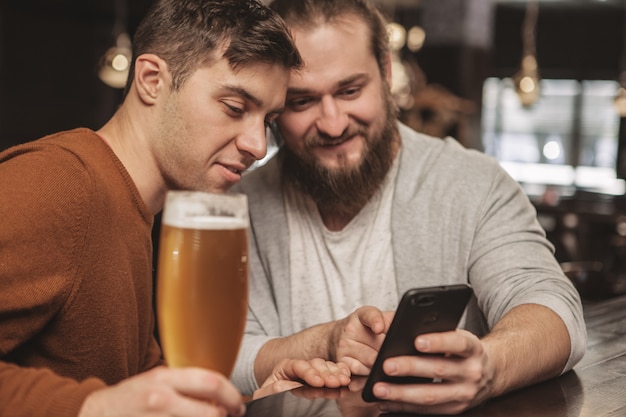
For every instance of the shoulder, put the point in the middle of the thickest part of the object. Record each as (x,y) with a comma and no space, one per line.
(443,150)
(49,193)
(52,151)
(38,160)
(47,179)
(426,158)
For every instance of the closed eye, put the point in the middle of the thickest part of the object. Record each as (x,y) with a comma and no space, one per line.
(350,93)
(300,103)
(233,110)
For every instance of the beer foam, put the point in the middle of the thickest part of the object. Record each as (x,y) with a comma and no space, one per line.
(206,222)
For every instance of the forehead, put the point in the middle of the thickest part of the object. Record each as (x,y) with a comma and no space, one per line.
(264,84)
(333,50)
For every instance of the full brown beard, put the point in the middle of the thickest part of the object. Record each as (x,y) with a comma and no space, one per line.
(345,190)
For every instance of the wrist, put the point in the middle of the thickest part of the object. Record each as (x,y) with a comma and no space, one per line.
(334,335)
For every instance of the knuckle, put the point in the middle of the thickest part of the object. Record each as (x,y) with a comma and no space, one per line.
(474,373)
(157,399)
(211,382)
(467,395)
(430,398)
(439,370)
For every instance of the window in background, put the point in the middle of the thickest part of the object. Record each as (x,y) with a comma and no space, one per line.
(569,137)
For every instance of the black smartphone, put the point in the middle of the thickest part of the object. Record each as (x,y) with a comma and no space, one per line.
(420,311)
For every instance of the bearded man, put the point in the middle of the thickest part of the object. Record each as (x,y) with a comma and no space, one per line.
(357,208)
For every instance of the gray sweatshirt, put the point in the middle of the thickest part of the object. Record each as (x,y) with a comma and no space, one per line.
(457,217)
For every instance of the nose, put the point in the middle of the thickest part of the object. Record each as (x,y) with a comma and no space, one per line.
(253,140)
(332,120)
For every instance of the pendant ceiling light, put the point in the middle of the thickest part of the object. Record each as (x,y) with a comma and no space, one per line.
(527,78)
(620,98)
(115,64)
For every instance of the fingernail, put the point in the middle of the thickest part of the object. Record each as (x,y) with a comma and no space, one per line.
(423,344)
(381,391)
(391,368)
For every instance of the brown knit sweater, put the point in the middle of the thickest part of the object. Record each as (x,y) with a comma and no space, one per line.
(75,275)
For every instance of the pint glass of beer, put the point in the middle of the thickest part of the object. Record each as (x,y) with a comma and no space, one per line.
(202,279)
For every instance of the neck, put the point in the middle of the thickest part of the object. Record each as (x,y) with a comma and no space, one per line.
(129,144)
(335,219)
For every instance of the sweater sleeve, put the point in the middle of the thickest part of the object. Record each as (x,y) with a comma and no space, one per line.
(38,238)
(30,392)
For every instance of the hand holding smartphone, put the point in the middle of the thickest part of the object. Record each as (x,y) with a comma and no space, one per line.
(421,311)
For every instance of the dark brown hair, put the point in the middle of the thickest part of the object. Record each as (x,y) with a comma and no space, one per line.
(191,33)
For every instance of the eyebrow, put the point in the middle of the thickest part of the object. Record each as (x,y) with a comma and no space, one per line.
(242,92)
(342,83)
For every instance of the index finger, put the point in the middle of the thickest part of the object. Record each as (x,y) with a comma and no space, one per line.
(372,318)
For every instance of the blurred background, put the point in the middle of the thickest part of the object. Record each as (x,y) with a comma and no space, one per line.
(539,85)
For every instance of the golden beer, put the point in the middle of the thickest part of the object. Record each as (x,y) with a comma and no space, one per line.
(202,287)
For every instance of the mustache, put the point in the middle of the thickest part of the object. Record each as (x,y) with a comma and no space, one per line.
(322,139)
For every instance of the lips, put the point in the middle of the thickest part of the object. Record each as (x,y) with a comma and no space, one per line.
(237,166)
(236,171)
(232,171)
(333,143)
(321,141)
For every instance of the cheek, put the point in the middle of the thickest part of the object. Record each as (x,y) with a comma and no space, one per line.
(210,128)
(369,109)
(294,126)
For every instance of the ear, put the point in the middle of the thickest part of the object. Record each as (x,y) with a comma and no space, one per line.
(151,76)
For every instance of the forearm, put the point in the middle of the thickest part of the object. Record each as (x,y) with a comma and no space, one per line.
(314,342)
(528,345)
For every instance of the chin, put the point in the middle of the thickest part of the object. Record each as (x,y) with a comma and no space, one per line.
(343,163)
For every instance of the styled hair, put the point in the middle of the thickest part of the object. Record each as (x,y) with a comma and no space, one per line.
(188,34)
(306,14)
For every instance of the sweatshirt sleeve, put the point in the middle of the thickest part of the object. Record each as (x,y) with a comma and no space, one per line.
(267,215)
(475,224)
(261,310)
(513,263)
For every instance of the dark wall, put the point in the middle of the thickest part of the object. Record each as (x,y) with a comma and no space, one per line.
(49,52)
(578,41)
(575,40)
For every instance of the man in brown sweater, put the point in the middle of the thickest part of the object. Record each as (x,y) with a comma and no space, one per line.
(76,317)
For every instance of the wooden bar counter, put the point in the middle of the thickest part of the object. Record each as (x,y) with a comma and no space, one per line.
(595,388)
